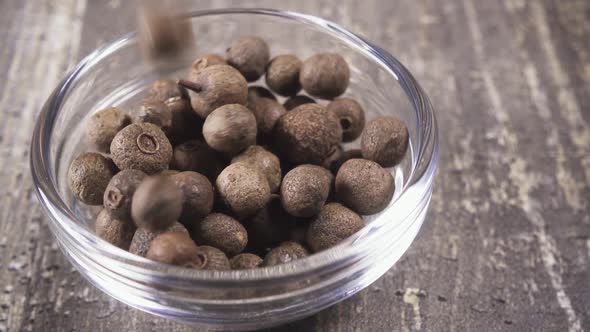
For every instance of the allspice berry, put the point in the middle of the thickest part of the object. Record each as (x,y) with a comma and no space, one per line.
(157,203)
(351,116)
(334,224)
(243,188)
(270,226)
(141,146)
(115,231)
(305,189)
(230,129)
(197,156)
(197,193)
(307,134)
(205,61)
(89,175)
(249,55)
(119,193)
(325,75)
(216,86)
(245,261)
(155,112)
(104,125)
(165,89)
(255,91)
(172,248)
(222,232)
(385,141)
(143,237)
(284,253)
(267,112)
(364,186)
(210,258)
(265,161)
(282,74)
(298,100)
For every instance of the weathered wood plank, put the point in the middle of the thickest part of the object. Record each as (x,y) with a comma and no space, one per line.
(506,245)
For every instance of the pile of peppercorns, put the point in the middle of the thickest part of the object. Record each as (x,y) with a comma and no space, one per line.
(210,173)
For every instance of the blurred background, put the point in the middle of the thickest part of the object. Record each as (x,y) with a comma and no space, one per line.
(506,245)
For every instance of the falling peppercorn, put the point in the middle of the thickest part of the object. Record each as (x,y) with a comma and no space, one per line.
(157,203)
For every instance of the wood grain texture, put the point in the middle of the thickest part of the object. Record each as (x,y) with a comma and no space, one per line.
(507,242)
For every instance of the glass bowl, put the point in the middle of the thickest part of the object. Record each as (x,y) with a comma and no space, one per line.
(114,75)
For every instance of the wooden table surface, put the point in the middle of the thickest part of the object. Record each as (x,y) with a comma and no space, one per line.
(506,246)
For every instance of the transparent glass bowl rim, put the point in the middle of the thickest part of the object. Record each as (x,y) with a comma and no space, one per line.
(340,255)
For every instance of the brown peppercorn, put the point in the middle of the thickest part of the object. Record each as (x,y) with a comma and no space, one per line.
(295,101)
(284,253)
(385,141)
(334,224)
(282,74)
(104,125)
(265,161)
(230,129)
(267,112)
(115,231)
(165,89)
(203,62)
(119,193)
(197,156)
(172,248)
(351,116)
(157,203)
(364,186)
(249,55)
(216,86)
(325,75)
(304,190)
(243,188)
(222,232)
(155,112)
(210,258)
(245,262)
(270,226)
(89,175)
(197,193)
(259,92)
(142,238)
(307,134)
(141,146)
